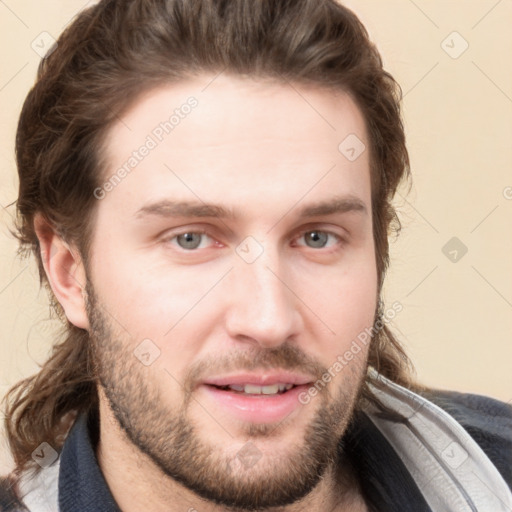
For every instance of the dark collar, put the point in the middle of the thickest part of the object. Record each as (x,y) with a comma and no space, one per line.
(386,484)
(82,487)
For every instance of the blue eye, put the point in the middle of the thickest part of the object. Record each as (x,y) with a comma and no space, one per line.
(314,239)
(317,239)
(190,240)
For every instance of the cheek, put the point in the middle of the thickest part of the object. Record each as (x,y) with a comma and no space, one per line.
(346,303)
(172,308)
(137,301)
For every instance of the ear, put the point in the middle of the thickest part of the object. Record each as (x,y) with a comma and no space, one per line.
(65,272)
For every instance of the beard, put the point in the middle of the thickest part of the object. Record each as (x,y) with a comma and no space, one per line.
(172,441)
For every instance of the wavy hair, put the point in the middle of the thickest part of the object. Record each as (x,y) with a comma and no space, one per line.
(118,49)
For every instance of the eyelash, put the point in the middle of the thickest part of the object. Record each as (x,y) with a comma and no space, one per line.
(340,240)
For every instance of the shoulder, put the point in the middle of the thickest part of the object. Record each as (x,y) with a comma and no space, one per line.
(32,491)
(487,421)
(9,502)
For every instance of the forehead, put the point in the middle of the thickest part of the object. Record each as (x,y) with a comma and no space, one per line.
(237,139)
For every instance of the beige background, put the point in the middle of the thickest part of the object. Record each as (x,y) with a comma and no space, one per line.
(457,317)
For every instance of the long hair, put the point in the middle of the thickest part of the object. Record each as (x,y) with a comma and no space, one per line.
(112,53)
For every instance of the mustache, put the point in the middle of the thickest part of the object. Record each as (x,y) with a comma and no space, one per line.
(284,357)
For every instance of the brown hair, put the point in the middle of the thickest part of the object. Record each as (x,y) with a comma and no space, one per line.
(112,53)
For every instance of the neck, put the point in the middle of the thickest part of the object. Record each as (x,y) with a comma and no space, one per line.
(141,485)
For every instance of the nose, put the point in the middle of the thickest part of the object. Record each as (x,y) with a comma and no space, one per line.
(263,306)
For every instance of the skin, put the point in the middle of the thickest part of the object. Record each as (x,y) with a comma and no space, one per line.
(259,149)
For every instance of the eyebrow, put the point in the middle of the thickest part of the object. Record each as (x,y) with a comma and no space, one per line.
(335,205)
(169,208)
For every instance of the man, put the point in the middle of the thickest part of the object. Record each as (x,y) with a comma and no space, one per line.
(207,188)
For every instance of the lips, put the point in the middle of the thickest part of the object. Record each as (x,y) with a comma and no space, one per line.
(260,379)
(251,389)
(253,407)
(250,384)
(256,397)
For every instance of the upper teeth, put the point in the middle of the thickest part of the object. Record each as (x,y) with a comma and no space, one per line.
(261,390)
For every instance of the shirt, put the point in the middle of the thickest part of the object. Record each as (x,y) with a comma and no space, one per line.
(442,451)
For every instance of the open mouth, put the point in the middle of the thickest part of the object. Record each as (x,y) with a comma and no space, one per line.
(254,390)
(253,402)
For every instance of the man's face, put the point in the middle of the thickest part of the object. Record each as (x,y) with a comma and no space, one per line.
(199,320)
